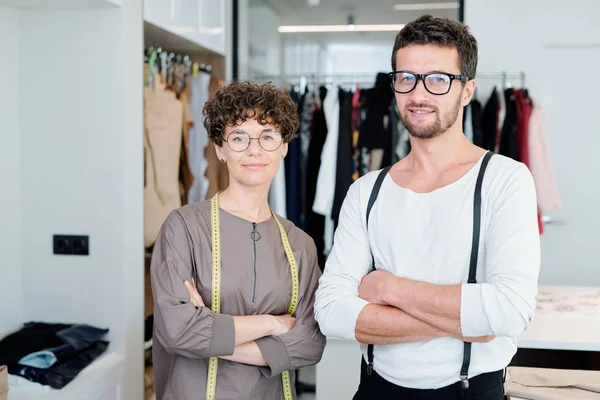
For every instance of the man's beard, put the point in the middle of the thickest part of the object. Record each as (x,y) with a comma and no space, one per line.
(433,129)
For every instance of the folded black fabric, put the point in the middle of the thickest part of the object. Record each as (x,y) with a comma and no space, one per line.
(34,336)
(51,354)
(63,372)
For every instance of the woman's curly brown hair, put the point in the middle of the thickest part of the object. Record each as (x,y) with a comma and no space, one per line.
(239,101)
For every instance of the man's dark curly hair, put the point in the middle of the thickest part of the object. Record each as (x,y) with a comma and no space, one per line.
(441,32)
(239,101)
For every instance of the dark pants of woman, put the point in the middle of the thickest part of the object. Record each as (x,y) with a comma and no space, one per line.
(488,386)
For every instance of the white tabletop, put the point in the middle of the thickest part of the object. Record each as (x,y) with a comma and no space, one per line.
(566,318)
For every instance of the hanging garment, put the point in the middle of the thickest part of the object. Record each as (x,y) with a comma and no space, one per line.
(293,195)
(475,121)
(199,94)
(256,279)
(216,173)
(163,124)
(186,176)
(467,124)
(306,123)
(54,353)
(315,223)
(344,164)
(522,134)
(355,124)
(400,136)
(375,135)
(325,192)
(489,122)
(509,145)
(540,162)
(277,198)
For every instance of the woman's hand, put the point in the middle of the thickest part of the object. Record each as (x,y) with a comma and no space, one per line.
(282,324)
(195,297)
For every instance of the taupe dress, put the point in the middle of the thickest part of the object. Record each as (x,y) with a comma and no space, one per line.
(255,279)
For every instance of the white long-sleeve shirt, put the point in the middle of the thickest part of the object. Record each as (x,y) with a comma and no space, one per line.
(427,237)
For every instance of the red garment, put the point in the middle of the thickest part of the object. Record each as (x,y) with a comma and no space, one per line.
(524,110)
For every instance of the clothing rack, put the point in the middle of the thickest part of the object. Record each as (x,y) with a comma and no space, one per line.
(317,79)
(505,76)
(164,58)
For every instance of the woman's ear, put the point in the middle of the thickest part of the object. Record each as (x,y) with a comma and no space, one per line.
(220,152)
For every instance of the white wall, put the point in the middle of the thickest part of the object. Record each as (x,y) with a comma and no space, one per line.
(71,159)
(302,56)
(71,164)
(10,191)
(305,55)
(558,46)
(264,54)
(362,58)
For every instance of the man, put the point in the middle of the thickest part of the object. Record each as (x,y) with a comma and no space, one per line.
(435,336)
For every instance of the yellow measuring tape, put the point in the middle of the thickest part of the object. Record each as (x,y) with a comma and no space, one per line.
(211,383)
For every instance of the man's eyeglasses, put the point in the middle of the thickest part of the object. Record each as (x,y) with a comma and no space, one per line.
(437,83)
(239,140)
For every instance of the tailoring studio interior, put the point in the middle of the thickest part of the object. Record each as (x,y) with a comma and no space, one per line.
(102,139)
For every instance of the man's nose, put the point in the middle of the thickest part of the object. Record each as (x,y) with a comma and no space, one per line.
(419,92)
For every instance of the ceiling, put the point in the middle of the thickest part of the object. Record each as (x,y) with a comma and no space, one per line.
(334,12)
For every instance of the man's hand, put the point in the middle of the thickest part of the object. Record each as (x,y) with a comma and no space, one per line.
(375,286)
(195,297)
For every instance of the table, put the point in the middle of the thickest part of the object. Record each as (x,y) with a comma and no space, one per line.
(566,318)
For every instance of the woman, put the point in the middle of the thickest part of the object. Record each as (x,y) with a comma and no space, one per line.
(267,268)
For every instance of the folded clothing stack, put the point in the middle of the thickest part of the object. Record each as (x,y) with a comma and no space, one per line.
(3,382)
(552,384)
(51,354)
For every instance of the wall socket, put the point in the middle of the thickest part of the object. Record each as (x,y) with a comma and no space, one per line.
(72,245)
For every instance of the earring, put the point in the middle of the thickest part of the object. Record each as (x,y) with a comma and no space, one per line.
(282,156)
(222,160)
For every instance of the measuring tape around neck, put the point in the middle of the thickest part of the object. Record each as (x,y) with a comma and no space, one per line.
(213,362)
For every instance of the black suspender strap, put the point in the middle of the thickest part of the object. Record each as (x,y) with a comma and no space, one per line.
(464,371)
(372,198)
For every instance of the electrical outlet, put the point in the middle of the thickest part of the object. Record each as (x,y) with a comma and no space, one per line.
(78,245)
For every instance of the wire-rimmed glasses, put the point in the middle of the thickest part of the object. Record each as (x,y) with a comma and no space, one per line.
(239,140)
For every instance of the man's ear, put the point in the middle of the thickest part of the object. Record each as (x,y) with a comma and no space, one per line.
(468,92)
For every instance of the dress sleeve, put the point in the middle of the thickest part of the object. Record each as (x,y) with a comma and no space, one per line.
(303,345)
(178,325)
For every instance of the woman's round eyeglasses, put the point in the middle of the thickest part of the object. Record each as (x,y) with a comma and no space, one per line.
(239,140)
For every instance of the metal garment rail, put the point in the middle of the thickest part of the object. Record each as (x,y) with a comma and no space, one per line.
(504,76)
(304,79)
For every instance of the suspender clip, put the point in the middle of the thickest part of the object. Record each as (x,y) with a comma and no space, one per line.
(369,368)
(465,381)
